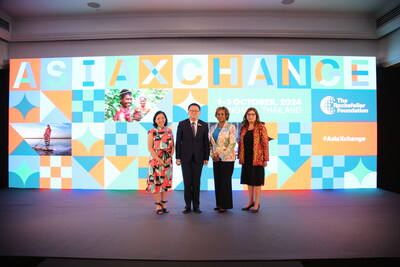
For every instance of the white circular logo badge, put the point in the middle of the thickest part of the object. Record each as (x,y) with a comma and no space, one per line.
(327,105)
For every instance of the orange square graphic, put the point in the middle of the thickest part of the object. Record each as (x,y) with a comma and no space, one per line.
(44,182)
(44,161)
(344,138)
(143,162)
(55,171)
(142,183)
(66,161)
(66,183)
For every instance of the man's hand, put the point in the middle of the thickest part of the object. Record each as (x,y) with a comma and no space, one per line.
(178,162)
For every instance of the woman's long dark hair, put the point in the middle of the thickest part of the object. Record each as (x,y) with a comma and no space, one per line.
(245,122)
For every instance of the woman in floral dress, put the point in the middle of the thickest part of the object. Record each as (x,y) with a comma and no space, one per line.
(161,148)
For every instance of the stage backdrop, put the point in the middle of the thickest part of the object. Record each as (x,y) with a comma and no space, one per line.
(320,112)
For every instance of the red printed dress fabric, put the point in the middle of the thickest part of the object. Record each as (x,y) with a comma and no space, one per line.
(160,177)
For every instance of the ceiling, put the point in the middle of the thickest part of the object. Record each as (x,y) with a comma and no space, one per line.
(15,9)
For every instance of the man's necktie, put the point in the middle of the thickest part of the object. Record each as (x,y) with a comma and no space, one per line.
(194,128)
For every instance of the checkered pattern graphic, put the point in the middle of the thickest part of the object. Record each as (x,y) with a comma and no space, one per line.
(121,139)
(88,106)
(56,172)
(294,137)
(328,172)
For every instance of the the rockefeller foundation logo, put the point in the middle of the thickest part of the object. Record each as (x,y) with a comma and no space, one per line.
(331,105)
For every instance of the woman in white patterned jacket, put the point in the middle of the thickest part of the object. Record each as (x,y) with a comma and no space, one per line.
(222,146)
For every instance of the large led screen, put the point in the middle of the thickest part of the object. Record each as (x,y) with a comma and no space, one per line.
(320,112)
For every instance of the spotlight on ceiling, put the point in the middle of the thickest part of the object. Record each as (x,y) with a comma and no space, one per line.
(287,2)
(93,5)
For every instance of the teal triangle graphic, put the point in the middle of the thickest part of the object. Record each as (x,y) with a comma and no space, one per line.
(128,179)
(24,149)
(87,162)
(147,125)
(55,116)
(284,172)
(179,186)
(293,162)
(81,179)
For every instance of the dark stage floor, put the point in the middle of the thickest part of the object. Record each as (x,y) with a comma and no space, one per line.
(292,227)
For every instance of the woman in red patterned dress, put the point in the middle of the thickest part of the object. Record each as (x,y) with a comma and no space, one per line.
(161,148)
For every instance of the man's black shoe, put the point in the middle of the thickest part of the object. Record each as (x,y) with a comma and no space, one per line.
(197,210)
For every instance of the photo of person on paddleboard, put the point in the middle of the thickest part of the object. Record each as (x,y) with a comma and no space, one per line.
(46,136)
(43,138)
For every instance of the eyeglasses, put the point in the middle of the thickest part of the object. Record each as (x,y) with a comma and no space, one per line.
(194,111)
(251,114)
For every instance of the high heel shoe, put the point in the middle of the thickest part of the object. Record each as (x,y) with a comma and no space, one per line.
(248,207)
(255,210)
(165,210)
(159,211)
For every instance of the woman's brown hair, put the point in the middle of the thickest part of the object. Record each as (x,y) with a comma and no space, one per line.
(245,122)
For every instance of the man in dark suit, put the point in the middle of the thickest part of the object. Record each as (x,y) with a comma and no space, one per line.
(192,151)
